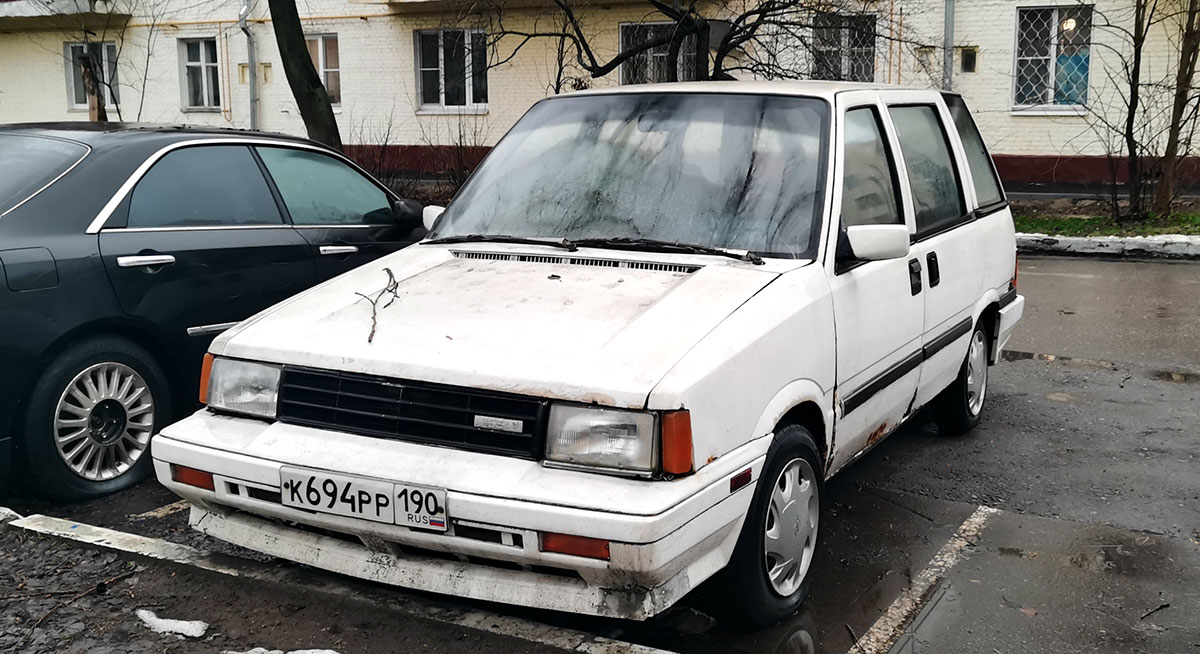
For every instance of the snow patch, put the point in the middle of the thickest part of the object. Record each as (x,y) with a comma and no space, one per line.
(181,628)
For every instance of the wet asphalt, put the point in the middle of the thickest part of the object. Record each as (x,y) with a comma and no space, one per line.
(1090,449)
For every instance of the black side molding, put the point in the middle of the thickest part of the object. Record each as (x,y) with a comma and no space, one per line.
(1008,298)
(893,374)
(882,381)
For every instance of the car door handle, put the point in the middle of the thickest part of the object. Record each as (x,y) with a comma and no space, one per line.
(145,260)
(935,273)
(914,275)
(338,249)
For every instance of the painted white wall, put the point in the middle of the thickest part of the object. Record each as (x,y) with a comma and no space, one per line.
(379,72)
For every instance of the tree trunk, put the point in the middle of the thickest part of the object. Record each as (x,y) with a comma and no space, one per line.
(701,64)
(673,55)
(310,94)
(91,86)
(1132,151)
(1189,45)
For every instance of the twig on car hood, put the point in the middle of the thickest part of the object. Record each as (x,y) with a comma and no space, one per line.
(391,287)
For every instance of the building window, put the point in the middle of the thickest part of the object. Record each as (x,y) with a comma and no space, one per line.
(650,66)
(103,57)
(1053,56)
(968,59)
(202,89)
(452,68)
(844,47)
(323,48)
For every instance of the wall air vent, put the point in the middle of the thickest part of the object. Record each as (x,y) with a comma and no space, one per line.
(579,261)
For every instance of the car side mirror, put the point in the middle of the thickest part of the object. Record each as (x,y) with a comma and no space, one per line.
(431,214)
(406,212)
(878,242)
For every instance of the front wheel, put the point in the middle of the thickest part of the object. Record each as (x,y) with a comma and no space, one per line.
(91,416)
(770,572)
(959,406)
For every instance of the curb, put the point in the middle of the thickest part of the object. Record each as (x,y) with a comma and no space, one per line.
(1164,246)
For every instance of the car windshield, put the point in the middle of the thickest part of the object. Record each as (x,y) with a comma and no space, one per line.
(29,163)
(730,171)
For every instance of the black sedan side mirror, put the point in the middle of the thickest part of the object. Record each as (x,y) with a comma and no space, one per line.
(407,212)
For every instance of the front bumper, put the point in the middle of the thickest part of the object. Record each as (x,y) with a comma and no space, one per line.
(491,549)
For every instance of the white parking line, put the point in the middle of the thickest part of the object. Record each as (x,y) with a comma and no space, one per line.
(155,548)
(890,626)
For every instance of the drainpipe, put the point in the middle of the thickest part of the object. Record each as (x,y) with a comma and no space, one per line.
(242,15)
(948,53)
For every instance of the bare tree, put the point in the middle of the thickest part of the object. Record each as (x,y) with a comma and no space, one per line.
(1183,105)
(311,97)
(763,38)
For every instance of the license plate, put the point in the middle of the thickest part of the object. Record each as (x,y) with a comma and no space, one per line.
(368,499)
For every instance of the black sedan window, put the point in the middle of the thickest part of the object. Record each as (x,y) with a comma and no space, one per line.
(29,163)
(215,185)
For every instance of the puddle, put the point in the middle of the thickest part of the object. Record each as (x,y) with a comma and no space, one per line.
(1177,376)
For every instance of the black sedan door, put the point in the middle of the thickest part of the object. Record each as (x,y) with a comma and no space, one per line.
(200,244)
(344,215)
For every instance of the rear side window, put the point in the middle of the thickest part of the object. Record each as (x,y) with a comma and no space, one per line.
(983,173)
(29,163)
(321,190)
(206,186)
(868,178)
(931,172)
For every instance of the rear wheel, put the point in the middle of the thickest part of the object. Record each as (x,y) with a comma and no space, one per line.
(771,570)
(959,406)
(91,416)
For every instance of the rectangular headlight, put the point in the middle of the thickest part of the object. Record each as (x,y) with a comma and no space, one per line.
(243,387)
(603,438)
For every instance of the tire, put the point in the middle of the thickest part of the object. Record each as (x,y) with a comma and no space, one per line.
(102,399)
(957,409)
(744,590)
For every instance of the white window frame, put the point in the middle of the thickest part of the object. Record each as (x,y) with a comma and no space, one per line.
(471,107)
(206,89)
(843,46)
(679,65)
(322,65)
(1047,107)
(108,56)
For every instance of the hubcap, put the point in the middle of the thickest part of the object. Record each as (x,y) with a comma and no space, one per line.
(791,527)
(977,371)
(103,421)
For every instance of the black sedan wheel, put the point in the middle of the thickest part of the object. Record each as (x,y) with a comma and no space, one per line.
(91,418)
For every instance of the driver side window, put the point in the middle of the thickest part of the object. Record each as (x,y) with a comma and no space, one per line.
(321,190)
(869,193)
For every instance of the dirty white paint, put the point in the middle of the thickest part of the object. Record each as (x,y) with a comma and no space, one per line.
(162,511)
(154,548)
(181,628)
(890,626)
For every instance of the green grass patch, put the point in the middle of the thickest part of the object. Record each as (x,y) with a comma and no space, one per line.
(1063,225)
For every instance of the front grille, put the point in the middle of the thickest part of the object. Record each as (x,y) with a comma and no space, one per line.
(419,412)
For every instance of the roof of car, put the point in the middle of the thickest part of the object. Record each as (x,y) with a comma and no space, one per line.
(818,88)
(99,133)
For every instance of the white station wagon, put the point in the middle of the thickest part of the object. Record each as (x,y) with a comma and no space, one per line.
(626,357)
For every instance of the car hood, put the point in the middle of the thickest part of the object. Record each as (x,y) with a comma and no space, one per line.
(585,331)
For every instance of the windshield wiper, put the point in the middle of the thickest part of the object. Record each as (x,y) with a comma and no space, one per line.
(503,238)
(650,244)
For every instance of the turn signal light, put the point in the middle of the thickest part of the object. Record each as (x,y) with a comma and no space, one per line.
(592,548)
(193,477)
(677,442)
(205,371)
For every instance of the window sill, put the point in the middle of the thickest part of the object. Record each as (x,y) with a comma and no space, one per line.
(477,110)
(1050,110)
(201,110)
